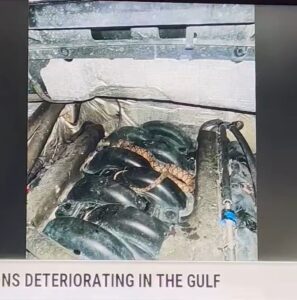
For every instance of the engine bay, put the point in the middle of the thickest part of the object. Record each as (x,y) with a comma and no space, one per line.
(141,131)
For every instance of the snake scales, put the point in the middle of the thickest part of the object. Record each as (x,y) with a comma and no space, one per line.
(183,179)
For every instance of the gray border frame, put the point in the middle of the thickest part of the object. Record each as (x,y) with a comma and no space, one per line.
(276,94)
(13,120)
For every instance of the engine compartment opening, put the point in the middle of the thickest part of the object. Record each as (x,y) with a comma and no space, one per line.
(148,183)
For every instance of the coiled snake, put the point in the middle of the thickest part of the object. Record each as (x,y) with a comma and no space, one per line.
(182,178)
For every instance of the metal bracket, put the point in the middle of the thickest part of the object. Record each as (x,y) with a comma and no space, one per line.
(199,42)
(227,35)
(139,30)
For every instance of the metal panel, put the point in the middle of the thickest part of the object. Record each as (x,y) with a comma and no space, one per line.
(106,14)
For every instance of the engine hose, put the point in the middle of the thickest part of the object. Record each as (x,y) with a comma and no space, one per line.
(228,216)
(225,183)
(235,129)
(229,223)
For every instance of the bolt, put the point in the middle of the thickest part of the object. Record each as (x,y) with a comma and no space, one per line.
(170,214)
(64,52)
(240,51)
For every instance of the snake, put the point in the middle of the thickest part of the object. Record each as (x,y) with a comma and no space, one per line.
(182,178)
